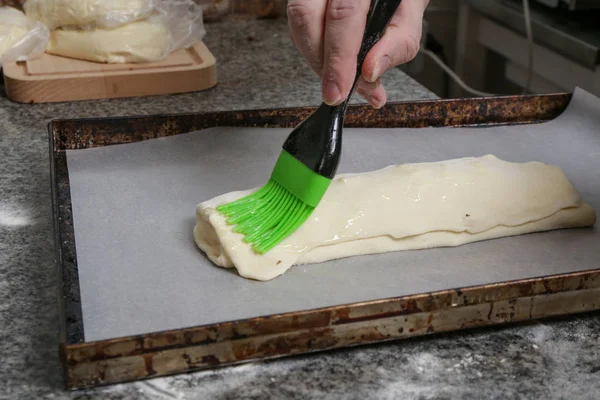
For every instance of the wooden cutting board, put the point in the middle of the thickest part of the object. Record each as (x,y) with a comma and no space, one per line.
(51,78)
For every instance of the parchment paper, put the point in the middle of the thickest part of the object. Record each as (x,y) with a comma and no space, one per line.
(134,204)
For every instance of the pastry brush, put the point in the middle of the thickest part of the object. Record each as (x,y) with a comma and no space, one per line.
(307,163)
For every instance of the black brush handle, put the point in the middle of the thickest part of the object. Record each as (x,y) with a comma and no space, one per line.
(317,141)
(380,14)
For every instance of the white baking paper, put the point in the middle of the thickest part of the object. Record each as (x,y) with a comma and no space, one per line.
(134,208)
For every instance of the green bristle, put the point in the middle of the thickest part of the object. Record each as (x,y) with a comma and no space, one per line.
(275,211)
(267,216)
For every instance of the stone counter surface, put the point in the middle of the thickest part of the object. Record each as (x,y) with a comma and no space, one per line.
(257,68)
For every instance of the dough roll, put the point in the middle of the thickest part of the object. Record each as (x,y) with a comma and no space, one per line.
(406,207)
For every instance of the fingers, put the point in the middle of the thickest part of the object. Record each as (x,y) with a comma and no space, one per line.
(373,92)
(328,34)
(306,20)
(344,28)
(400,43)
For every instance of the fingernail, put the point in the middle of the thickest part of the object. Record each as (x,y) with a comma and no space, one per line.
(376,102)
(380,66)
(367,86)
(331,93)
(363,85)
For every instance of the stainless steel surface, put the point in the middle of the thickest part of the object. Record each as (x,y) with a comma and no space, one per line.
(549,3)
(582,4)
(575,35)
(571,4)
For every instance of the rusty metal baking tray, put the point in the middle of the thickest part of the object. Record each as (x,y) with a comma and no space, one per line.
(154,354)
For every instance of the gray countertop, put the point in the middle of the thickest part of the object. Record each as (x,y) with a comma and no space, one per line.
(258,68)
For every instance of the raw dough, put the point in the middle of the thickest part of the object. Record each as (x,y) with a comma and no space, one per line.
(140,41)
(406,207)
(99,13)
(13,27)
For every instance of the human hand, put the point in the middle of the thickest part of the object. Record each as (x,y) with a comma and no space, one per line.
(328,33)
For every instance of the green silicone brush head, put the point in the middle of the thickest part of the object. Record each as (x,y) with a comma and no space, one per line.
(269,215)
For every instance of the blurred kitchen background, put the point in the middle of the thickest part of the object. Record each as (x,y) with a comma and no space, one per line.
(486,44)
(491,46)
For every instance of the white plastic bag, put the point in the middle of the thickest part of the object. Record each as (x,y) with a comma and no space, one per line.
(175,24)
(20,39)
(88,13)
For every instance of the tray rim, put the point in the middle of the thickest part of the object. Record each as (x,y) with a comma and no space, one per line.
(152,354)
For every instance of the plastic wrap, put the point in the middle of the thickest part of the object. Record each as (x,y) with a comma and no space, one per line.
(175,24)
(20,39)
(88,13)
(183,19)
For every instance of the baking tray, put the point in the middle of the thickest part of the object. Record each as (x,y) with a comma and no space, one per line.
(161,353)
